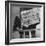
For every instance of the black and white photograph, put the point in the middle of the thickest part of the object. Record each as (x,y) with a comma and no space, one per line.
(24,22)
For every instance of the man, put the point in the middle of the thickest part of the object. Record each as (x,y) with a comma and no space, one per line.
(17,26)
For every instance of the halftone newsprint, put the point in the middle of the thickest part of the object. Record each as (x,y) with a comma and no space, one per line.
(24,22)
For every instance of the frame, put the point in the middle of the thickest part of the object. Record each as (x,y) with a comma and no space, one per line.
(24,7)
